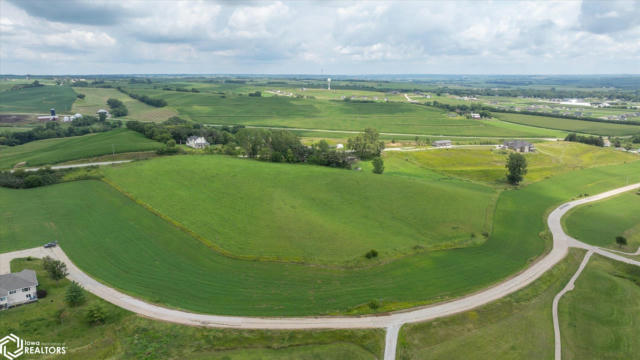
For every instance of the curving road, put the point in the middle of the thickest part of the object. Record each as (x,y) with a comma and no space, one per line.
(392,322)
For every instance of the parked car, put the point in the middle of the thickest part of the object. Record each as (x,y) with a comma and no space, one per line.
(51,244)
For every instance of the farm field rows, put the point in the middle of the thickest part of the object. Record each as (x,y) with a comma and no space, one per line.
(37,100)
(56,150)
(150,258)
(570,125)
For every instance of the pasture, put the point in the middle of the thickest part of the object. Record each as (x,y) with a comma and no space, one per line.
(96,98)
(57,150)
(126,246)
(599,223)
(570,125)
(37,100)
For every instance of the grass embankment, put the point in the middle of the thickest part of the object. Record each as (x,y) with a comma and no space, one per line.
(308,213)
(128,336)
(600,318)
(96,98)
(51,151)
(518,326)
(123,244)
(569,125)
(37,100)
(488,165)
(599,223)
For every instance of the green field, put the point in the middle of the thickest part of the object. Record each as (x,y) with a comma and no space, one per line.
(51,151)
(96,98)
(125,245)
(578,126)
(600,318)
(37,100)
(127,336)
(518,326)
(599,223)
(309,213)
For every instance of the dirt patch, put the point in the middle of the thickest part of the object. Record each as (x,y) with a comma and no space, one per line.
(13,118)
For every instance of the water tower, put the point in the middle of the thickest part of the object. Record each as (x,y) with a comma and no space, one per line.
(329,84)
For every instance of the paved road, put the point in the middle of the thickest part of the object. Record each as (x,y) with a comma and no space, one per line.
(71,166)
(392,322)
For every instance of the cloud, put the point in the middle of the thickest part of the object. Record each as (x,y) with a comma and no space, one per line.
(76,11)
(610,16)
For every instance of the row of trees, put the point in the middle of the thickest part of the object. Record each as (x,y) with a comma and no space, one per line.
(21,179)
(589,140)
(144,98)
(77,127)
(118,108)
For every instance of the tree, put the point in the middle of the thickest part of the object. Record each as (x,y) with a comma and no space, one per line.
(378,165)
(366,145)
(75,294)
(621,240)
(33,181)
(102,116)
(56,268)
(171,143)
(517,168)
(96,315)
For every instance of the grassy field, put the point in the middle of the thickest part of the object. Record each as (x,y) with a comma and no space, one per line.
(51,151)
(127,336)
(96,98)
(600,318)
(124,245)
(309,213)
(578,126)
(518,326)
(599,223)
(488,165)
(37,100)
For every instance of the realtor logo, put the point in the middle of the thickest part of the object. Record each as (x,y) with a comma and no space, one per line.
(11,338)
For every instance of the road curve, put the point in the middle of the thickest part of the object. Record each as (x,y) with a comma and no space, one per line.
(72,166)
(392,321)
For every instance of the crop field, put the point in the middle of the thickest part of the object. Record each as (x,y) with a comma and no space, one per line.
(599,223)
(308,213)
(125,245)
(96,98)
(600,318)
(128,336)
(569,125)
(518,326)
(488,165)
(51,151)
(37,100)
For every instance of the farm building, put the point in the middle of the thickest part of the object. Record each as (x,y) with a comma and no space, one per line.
(102,111)
(18,288)
(519,146)
(475,116)
(197,142)
(442,143)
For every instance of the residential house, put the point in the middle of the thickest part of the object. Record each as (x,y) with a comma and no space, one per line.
(197,142)
(18,288)
(442,143)
(475,116)
(519,146)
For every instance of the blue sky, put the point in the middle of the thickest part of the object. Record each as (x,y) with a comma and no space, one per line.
(310,37)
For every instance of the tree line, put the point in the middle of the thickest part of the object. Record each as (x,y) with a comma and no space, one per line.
(144,98)
(589,140)
(118,108)
(80,126)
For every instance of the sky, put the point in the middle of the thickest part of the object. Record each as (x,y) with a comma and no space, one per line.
(319,37)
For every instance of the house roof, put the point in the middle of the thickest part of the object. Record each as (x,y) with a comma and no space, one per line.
(442,142)
(517,143)
(13,281)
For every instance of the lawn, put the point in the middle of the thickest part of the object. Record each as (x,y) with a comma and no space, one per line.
(518,326)
(308,213)
(123,244)
(51,151)
(127,336)
(578,126)
(599,223)
(37,100)
(96,98)
(600,318)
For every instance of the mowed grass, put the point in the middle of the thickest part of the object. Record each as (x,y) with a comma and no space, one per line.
(37,100)
(308,213)
(123,244)
(518,326)
(600,318)
(51,151)
(96,98)
(599,223)
(486,164)
(128,336)
(578,126)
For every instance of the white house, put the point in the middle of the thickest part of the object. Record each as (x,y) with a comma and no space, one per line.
(339,146)
(197,142)
(18,288)
(442,143)
(475,116)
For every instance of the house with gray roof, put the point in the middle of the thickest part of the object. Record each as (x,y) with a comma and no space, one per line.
(18,288)
(519,146)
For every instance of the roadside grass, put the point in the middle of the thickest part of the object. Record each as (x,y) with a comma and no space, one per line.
(599,223)
(37,100)
(488,164)
(569,125)
(518,326)
(96,98)
(306,213)
(128,247)
(600,318)
(128,336)
(51,151)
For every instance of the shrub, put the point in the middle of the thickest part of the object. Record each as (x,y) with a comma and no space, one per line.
(56,268)
(32,181)
(371,254)
(374,304)
(81,96)
(621,240)
(378,165)
(96,315)
(41,293)
(75,294)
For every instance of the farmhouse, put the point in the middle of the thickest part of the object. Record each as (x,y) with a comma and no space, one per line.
(197,142)
(519,146)
(18,288)
(442,143)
